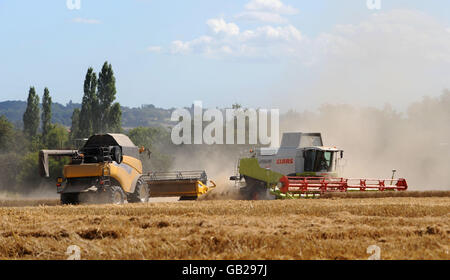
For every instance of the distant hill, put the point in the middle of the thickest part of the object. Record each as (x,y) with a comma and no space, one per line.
(13,110)
(146,115)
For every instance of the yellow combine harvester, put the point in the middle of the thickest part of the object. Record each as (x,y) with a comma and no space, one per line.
(108,167)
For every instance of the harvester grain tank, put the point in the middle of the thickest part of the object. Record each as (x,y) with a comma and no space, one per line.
(299,167)
(108,167)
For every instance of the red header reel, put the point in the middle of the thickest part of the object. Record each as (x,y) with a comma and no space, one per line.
(299,185)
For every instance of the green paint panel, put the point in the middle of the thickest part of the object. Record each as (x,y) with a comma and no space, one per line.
(250,167)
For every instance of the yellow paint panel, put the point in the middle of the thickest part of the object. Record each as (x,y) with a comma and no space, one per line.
(177,188)
(133,162)
(83,170)
(201,188)
(124,174)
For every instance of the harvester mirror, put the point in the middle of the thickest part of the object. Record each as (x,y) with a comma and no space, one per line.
(342,154)
(117,154)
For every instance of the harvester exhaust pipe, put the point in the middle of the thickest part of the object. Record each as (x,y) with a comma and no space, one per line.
(393,173)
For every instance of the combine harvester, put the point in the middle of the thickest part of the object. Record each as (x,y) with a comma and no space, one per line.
(108,169)
(301,167)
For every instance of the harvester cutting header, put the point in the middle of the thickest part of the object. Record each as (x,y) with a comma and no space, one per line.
(108,166)
(301,166)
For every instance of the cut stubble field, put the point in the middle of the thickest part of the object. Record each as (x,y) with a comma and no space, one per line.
(335,228)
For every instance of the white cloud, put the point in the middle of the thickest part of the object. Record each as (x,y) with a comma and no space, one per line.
(266,41)
(199,45)
(274,6)
(218,25)
(389,57)
(180,47)
(395,37)
(391,36)
(86,20)
(226,39)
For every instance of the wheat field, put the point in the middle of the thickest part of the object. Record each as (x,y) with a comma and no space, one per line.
(335,228)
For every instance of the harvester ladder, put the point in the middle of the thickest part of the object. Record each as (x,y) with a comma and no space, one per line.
(106,176)
(106,154)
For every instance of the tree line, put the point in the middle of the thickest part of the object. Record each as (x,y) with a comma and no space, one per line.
(99,113)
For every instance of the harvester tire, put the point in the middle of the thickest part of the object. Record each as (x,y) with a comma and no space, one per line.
(255,190)
(70,198)
(140,194)
(115,195)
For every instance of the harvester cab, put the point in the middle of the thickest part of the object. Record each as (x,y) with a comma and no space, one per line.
(108,168)
(301,165)
(301,154)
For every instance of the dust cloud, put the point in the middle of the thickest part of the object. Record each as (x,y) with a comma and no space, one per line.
(219,162)
(416,143)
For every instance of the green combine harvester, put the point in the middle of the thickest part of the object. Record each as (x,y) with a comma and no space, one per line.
(301,167)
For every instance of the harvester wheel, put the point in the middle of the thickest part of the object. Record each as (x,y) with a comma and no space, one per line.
(115,195)
(141,193)
(255,190)
(70,198)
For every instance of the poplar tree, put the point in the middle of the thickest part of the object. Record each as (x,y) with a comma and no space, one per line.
(106,95)
(115,118)
(88,122)
(74,129)
(46,114)
(99,113)
(31,116)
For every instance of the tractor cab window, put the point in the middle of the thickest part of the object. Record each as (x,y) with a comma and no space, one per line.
(318,161)
(323,161)
(310,156)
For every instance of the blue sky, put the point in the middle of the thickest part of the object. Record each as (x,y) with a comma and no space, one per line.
(261,53)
